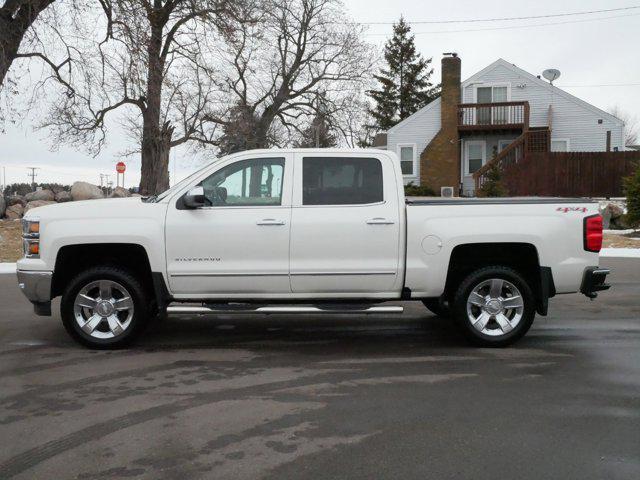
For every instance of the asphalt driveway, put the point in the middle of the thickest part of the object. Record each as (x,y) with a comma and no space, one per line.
(317,397)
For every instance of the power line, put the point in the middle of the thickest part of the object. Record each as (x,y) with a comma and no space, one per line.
(507,19)
(602,85)
(514,27)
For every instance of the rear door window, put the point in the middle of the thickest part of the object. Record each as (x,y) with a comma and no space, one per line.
(341,181)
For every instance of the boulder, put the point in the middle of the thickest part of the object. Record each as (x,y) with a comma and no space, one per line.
(3,205)
(38,203)
(85,191)
(46,195)
(615,210)
(16,200)
(14,212)
(611,212)
(120,192)
(63,196)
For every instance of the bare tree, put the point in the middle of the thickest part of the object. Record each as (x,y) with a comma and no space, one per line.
(631,127)
(16,18)
(152,67)
(277,67)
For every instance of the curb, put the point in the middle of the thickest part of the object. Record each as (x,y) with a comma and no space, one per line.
(7,268)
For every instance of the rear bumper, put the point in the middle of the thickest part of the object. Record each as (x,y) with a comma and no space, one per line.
(593,281)
(36,286)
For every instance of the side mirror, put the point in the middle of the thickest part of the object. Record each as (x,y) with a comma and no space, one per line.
(194,198)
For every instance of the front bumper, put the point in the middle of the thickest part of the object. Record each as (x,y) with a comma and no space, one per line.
(593,281)
(36,286)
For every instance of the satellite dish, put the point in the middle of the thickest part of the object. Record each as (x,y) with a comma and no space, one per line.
(551,74)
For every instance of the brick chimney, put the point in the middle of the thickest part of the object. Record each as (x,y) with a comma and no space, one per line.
(440,160)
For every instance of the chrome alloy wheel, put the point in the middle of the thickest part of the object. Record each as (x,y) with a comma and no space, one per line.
(103,309)
(495,307)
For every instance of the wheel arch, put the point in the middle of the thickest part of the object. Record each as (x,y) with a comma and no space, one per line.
(522,257)
(73,259)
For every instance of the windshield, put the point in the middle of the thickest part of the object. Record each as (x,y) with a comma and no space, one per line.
(179,185)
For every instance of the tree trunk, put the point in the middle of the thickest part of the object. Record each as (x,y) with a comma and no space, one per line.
(156,139)
(15,19)
(154,173)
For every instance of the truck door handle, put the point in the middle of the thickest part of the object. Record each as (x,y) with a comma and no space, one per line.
(270,221)
(379,221)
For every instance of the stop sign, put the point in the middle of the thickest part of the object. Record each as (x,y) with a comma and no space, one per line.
(120,167)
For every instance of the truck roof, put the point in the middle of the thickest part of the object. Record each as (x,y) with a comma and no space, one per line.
(314,150)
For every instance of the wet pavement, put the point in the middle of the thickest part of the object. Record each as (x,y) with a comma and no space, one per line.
(241,397)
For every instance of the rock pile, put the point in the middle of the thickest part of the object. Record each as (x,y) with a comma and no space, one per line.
(15,206)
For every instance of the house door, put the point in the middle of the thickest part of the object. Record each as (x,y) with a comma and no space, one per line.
(474,154)
(492,115)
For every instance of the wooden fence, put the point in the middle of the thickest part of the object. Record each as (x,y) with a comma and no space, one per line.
(570,174)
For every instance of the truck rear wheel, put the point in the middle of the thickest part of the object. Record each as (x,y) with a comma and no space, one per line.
(494,306)
(104,307)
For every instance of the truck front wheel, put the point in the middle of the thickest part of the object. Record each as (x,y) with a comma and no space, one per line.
(494,306)
(104,307)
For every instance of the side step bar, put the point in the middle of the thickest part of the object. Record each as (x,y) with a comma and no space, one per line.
(249,309)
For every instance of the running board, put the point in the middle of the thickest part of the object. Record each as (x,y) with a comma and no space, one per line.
(249,309)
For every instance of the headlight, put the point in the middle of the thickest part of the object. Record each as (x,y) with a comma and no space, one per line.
(31,238)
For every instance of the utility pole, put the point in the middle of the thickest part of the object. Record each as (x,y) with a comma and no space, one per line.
(33,176)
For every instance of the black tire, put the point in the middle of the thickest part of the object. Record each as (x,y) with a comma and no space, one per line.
(122,277)
(464,291)
(438,307)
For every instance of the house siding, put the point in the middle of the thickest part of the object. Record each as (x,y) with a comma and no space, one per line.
(570,119)
(418,129)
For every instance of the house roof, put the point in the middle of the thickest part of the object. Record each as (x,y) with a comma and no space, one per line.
(414,115)
(501,62)
(530,77)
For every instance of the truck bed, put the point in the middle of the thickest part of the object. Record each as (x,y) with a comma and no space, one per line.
(553,226)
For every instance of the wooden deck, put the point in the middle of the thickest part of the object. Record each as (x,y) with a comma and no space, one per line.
(492,117)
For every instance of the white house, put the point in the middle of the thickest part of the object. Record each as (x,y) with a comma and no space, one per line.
(473,121)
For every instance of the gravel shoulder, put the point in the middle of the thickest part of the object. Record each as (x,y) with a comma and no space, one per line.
(10,240)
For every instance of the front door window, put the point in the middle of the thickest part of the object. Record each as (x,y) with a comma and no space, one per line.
(256,182)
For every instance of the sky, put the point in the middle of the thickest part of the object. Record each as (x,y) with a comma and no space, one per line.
(596,53)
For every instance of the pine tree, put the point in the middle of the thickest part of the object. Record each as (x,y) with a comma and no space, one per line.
(405,84)
(632,190)
(493,186)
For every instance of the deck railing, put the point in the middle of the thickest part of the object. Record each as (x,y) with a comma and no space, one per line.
(488,116)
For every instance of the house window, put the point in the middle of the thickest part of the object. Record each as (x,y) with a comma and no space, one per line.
(475,156)
(502,144)
(498,93)
(559,144)
(407,159)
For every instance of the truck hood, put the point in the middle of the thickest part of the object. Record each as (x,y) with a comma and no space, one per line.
(105,208)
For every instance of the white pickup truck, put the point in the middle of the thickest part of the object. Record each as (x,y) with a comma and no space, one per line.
(306,231)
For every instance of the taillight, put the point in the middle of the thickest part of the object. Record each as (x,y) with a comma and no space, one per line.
(593,233)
